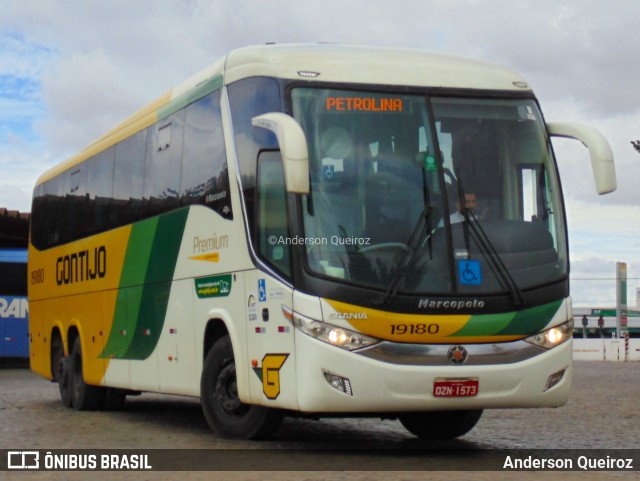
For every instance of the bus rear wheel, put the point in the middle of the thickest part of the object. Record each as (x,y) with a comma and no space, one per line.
(84,397)
(60,369)
(439,425)
(226,414)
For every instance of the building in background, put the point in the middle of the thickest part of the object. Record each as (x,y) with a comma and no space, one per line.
(601,322)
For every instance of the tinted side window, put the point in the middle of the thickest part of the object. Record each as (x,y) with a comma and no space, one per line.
(141,176)
(99,190)
(49,211)
(248,98)
(205,178)
(162,164)
(75,203)
(38,217)
(127,179)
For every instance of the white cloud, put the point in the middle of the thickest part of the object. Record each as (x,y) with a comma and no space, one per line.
(21,161)
(86,94)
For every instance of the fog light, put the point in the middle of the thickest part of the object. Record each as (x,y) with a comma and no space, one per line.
(554,379)
(342,384)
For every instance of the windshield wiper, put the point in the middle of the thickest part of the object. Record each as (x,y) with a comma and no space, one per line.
(415,240)
(492,256)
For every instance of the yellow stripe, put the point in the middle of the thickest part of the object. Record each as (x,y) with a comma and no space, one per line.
(51,263)
(87,305)
(418,328)
(209,257)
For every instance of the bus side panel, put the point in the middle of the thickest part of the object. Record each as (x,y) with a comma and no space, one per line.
(270,340)
(39,351)
(86,317)
(76,287)
(115,371)
(178,363)
(143,369)
(45,316)
(217,298)
(212,258)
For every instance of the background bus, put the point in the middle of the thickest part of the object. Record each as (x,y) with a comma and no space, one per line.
(14,308)
(275,235)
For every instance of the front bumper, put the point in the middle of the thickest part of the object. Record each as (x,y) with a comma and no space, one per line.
(398,378)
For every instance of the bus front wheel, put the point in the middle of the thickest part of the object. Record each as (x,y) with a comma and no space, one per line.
(226,414)
(438,425)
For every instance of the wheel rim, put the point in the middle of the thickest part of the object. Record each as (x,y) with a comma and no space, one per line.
(226,392)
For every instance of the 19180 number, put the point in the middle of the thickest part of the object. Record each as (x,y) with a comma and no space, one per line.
(400,329)
(37,276)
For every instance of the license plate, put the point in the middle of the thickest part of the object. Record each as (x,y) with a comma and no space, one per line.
(467,387)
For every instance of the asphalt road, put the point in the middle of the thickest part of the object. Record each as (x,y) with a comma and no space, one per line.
(602,414)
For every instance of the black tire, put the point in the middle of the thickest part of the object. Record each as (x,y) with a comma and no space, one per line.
(60,369)
(84,397)
(227,416)
(439,425)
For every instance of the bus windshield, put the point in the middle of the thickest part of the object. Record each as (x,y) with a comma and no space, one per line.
(420,194)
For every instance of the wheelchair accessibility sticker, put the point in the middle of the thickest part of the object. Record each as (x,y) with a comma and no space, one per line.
(469,272)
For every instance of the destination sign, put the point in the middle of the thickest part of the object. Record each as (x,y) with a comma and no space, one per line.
(365,104)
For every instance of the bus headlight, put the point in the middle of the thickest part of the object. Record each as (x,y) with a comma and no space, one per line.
(553,336)
(334,335)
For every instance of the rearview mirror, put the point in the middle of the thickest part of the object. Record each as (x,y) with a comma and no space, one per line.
(604,171)
(293,149)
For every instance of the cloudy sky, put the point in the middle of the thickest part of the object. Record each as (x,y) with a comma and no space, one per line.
(71,69)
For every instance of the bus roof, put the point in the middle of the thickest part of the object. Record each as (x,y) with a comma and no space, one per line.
(317,62)
(368,65)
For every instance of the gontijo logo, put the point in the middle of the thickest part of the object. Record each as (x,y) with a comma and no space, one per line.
(81,266)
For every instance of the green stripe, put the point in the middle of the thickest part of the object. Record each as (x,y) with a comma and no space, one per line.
(190,96)
(145,285)
(531,321)
(485,324)
(132,278)
(157,286)
(521,323)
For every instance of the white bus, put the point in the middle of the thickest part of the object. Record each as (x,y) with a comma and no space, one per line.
(309,230)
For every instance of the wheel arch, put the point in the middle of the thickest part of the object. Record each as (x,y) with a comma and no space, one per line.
(219,325)
(55,337)
(66,336)
(215,329)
